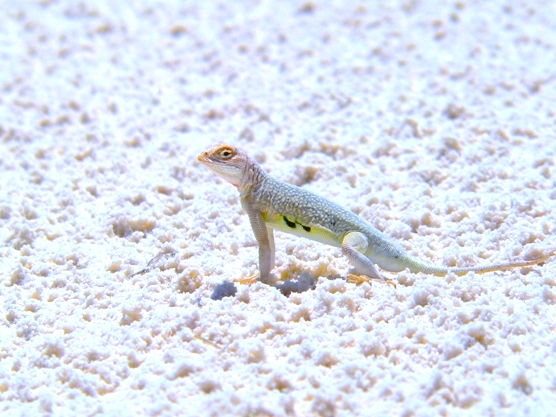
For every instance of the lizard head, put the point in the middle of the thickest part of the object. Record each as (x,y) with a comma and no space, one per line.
(226,161)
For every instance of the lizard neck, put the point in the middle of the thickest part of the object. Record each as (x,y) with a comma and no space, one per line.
(253,177)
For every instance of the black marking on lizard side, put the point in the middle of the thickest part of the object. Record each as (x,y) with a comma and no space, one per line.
(288,222)
(293,225)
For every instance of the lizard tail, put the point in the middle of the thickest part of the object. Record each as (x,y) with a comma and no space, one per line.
(441,271)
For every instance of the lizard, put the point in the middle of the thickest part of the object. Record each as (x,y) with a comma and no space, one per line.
(272,204)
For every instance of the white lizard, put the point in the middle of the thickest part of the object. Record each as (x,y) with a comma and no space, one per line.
(274,204)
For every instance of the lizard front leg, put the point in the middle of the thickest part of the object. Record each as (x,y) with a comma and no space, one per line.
(265,239)
(354,245)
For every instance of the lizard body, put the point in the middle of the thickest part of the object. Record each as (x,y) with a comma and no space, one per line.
(274,204)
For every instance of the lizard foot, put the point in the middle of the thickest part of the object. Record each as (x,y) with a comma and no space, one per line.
(249,280)
(360,279)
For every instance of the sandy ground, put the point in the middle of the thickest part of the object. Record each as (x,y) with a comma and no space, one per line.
(434,120)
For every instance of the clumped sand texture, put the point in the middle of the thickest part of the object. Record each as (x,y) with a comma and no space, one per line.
(434,120)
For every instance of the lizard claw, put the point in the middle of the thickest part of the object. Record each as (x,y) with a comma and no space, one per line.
(249,280)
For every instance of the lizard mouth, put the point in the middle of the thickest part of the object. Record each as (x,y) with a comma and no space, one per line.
(203,158)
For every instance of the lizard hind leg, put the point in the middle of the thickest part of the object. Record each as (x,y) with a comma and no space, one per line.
(354,245)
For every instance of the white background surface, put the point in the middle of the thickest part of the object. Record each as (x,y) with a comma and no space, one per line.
(434,120)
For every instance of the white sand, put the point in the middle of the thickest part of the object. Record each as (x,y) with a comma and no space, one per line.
(434,120)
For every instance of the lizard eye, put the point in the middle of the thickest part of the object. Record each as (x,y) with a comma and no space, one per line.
(226,154)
